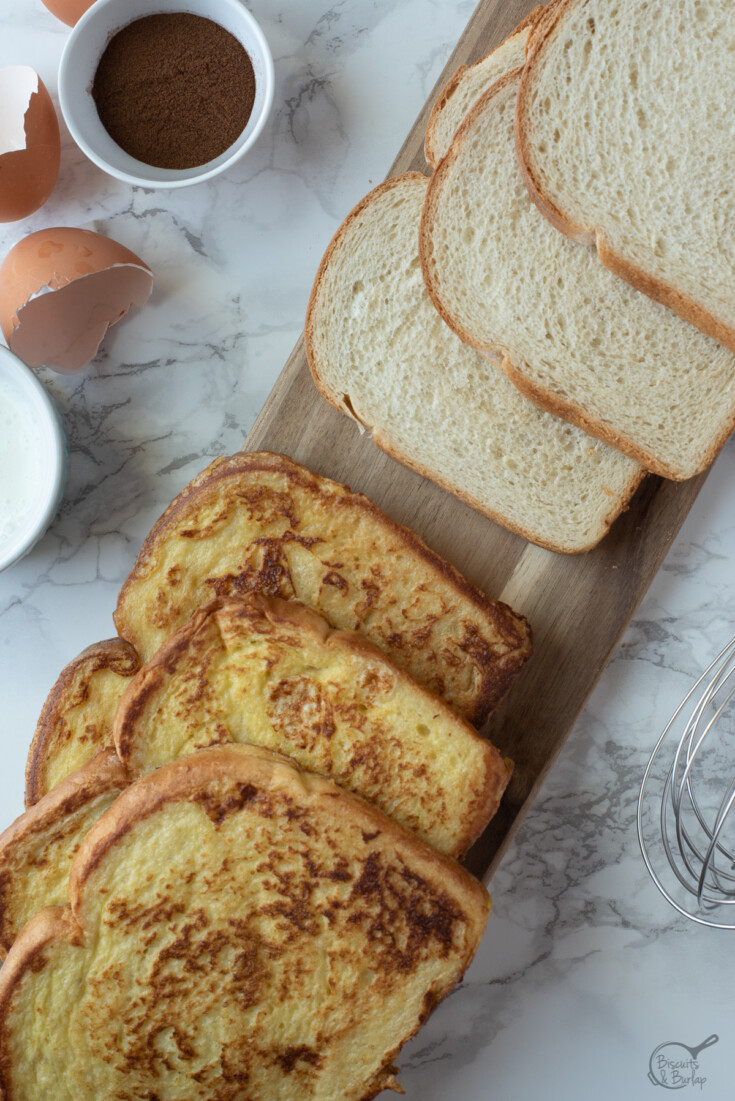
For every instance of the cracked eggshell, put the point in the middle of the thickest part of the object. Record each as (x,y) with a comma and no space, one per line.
(61,289)
(30,147)
(68,11)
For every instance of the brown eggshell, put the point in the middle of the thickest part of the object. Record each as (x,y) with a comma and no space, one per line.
(68,11)
(61,289)
(28,175)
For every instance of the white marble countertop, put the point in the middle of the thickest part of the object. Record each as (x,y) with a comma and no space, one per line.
(584,969)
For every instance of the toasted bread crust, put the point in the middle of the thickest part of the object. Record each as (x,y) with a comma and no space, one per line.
(668,295)
(483,635)
(75,685)
(64,1013)
(329,721)
(51,828)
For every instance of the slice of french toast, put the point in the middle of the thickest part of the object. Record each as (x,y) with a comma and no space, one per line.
(36,851)
(76,720)
(273,672)
(262,522)
(237,928)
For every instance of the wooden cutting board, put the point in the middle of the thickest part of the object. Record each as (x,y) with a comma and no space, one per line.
(578,606)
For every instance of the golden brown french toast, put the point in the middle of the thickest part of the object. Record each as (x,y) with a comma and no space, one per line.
(237,929)
(273,672)
(36,851)
(76,720)
(261,522)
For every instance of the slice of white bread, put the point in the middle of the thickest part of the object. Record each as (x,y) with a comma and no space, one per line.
(36,851)
(575,338)
(76,720)
(236,928)
(468,83)
(379,351)
(258,522)
(272,672)
(625,130)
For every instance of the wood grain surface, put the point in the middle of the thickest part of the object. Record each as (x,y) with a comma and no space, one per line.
(578,606)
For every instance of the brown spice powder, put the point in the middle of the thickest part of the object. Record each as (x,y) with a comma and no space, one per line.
(174,90)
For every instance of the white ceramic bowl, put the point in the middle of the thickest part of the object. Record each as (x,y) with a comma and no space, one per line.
(34,460)
(81,56)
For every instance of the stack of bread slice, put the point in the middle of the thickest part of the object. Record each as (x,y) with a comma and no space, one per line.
(237,874)
(647,178)
(435,294)
(569,332)
(380,352)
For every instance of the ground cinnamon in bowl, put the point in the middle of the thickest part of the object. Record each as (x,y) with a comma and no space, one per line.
(174,90)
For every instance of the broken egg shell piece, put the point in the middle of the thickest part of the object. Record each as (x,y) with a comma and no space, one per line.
(68,11)
(30,146)
(63,329)
(61,289)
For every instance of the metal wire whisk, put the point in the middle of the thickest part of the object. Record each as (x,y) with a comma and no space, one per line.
(688,790)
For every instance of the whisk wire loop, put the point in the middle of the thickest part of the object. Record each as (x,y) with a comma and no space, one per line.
(690,848)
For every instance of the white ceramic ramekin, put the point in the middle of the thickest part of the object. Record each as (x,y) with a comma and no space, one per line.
(23,394)
(81,56)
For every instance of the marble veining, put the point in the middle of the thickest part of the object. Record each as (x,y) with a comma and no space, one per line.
(584,970)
